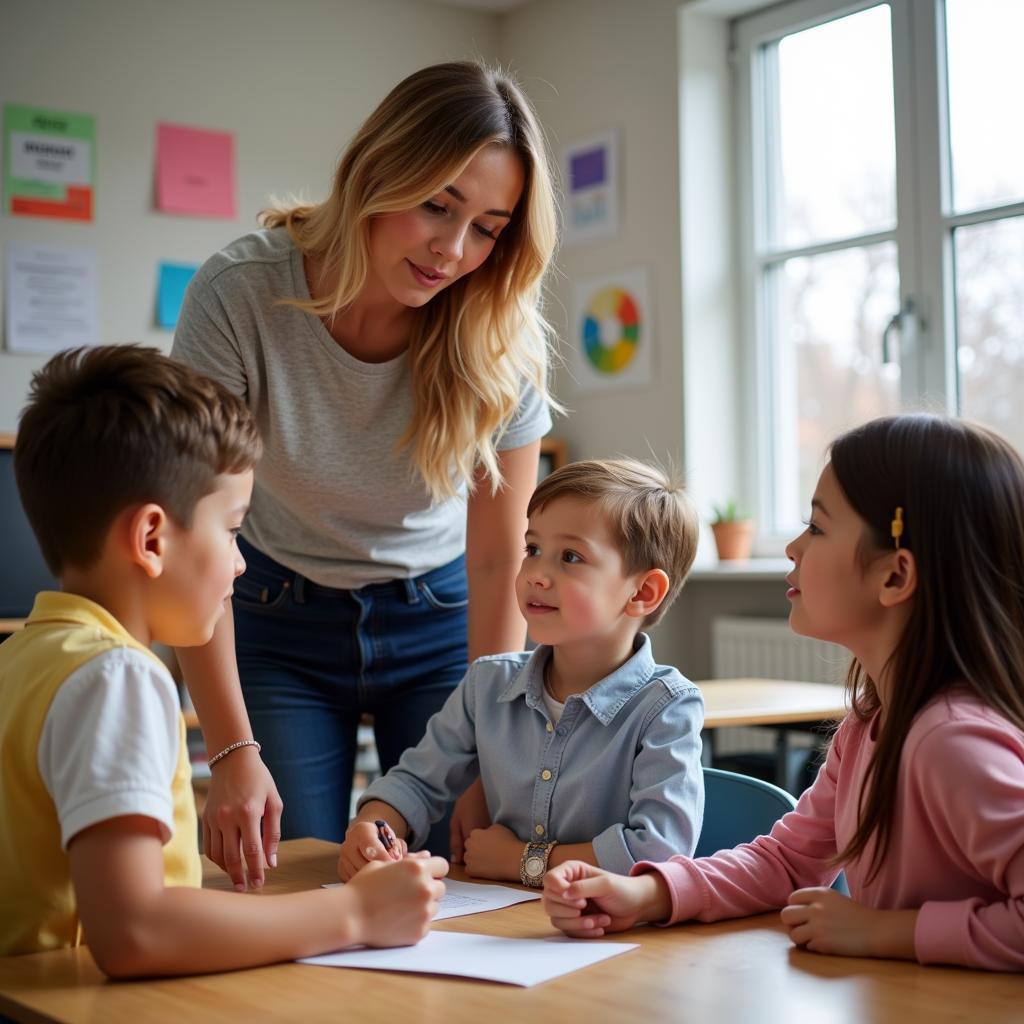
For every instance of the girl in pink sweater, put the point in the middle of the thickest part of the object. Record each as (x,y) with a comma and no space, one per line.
(913,559)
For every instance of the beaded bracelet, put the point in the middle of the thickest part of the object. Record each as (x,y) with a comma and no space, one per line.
(234,746)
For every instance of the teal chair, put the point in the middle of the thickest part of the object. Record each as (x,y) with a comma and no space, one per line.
(738,808)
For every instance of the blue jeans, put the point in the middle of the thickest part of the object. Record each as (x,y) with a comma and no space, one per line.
(314,659)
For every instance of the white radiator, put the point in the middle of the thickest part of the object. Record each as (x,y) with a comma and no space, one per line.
(767,648)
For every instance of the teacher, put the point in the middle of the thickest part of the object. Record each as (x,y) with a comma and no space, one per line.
(390,343)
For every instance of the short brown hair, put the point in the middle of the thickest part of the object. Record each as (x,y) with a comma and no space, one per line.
(654,521)
(117,425)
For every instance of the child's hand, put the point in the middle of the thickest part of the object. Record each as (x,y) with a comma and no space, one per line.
(585,902)
(825,921)
(362,846)
(470,812)
(493,852)
(395,903)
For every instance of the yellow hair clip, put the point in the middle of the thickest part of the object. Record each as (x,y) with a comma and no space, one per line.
(897,526)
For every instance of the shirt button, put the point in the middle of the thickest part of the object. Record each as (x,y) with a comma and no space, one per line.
(545,775)
(550,727)
(539,829)
(560,731)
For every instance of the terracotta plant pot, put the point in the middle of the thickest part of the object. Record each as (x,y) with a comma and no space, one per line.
(733,539)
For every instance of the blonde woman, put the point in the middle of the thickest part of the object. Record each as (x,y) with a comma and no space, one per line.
(390,342)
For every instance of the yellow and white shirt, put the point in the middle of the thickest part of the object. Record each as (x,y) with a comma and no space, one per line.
(90,729)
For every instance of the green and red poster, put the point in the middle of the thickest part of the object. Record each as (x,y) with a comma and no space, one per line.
(49,163)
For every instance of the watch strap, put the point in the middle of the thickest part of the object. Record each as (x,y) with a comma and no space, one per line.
(535,851)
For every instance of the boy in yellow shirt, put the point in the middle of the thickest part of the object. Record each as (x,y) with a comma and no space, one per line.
(135,473)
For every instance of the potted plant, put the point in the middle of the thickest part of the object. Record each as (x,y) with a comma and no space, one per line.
(733,530)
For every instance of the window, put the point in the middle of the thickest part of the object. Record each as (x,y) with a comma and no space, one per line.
(882,224)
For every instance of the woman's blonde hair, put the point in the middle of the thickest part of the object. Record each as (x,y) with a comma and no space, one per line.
(479,340)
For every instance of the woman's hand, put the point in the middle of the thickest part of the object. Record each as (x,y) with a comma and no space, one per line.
(494,852)
(242,796)
(470,813)
(586,902)
(826,921)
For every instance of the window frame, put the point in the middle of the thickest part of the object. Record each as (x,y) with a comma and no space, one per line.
(923,232)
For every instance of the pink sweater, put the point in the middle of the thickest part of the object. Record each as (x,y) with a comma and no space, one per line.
(957,847)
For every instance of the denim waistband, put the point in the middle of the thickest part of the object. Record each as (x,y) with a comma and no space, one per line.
(304,588)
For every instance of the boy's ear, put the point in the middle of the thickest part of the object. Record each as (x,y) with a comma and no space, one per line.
(899,578)
(147,538)
(650,591)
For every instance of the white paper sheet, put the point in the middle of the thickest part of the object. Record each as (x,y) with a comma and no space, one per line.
(522,962)
(464,898)
(51,297)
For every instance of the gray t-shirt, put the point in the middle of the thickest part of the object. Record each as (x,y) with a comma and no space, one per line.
(332,500)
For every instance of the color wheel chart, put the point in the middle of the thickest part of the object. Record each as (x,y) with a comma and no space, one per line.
(611,330)
(613,338)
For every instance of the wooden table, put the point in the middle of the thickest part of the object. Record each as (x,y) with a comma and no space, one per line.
(769,702)
(772,702)
(732,972)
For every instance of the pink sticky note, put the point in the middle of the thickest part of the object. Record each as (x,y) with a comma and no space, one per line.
(195,171)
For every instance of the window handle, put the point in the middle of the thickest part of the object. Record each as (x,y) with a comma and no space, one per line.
(906,322)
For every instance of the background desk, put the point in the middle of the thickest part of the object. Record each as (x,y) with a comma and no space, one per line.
(770,702)
(732,972)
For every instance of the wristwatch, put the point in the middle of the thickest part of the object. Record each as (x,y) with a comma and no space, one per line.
(535,862)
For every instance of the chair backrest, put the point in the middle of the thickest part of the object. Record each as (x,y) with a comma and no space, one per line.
(738,808)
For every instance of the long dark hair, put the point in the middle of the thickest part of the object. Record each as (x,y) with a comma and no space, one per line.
(961,488)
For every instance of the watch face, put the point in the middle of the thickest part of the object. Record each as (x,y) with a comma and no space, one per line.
(534,866)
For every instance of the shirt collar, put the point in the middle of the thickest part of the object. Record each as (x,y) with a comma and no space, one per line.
(57,606)
(529,680)
(605,698)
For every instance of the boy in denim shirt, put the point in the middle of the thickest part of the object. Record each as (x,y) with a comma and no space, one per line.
(586,748)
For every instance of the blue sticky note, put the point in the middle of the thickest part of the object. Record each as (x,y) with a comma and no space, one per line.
(173,280)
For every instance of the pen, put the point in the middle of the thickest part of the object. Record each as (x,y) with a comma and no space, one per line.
(384,834)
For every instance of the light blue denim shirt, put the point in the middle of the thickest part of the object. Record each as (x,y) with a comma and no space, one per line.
(621,768)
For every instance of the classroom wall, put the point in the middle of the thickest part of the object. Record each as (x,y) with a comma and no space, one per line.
(294,81)
(291,80)
(658,72)
(591,65)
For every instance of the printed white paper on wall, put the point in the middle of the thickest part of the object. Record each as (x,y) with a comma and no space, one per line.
(51,297)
